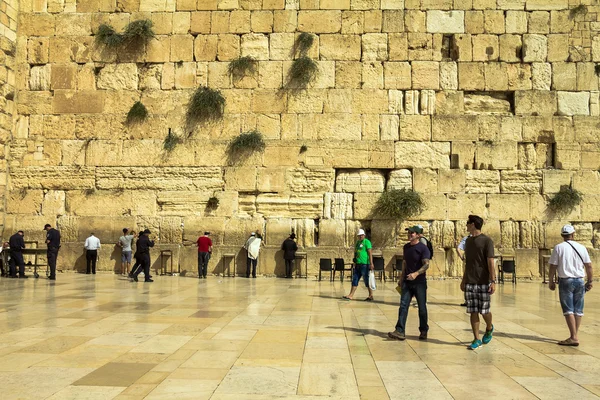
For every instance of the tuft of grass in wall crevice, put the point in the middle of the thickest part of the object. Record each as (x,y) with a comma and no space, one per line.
(137,113)
(302,73)
(136,35)
(580,10)
(565,200)
(108,37)
(241,67)
(303,43)
(171,141)
(244,145)
(212,203)
(398,204)
(205,106)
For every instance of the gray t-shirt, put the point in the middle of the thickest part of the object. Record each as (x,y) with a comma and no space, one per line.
(126,242)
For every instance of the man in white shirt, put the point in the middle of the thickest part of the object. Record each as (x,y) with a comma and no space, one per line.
(92,244)
(573,263)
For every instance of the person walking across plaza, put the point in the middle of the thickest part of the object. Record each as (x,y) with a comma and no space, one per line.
(143,250)
(125,244)
(16,244)
(572,262)
(252,246)
(92,245)
(53,243)
(479,279)
(460,249)
(413,282)
(289,248)
(205,246)
(363,263)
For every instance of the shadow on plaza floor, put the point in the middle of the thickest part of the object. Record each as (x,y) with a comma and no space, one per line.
(387,303)
(384,335)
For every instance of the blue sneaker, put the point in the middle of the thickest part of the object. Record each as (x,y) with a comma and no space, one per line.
(487,337)
(475,344)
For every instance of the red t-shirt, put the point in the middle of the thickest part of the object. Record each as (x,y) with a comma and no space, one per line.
(204,244)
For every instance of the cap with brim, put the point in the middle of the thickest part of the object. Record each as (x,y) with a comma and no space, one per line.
(415,229)
(47,226)
(207,233)
(253,234)
(567,230)
(360,232)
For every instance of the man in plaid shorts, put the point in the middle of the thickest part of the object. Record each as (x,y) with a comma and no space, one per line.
(479,279)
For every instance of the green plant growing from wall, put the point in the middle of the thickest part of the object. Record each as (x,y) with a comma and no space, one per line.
(171,141)
(597,69)
(302,73)
(303,149)
(241,67)
(303,43)
(137,113)
(565,200)
(579,10)
(212,203)
(205,106)
(108,37)
(245,144)
(398,204)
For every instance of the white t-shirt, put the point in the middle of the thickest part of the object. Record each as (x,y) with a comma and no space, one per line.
(569,263)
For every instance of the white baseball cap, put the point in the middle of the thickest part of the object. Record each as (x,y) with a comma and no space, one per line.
(567,230)
(360,232)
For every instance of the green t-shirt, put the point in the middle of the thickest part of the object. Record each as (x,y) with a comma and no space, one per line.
(360,251)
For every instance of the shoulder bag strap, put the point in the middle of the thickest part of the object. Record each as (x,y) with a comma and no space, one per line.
(581,258)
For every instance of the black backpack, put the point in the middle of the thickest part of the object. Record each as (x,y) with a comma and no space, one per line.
(429,246)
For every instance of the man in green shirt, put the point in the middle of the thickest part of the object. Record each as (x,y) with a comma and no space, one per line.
(363,263)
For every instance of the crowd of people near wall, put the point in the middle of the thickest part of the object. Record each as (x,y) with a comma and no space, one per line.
(570,268)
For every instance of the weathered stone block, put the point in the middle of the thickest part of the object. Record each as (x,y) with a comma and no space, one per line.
(516,22)
(532,234)
(415,128)
(482,181)
(535,102)
(274,205)
(338,206)
(454,128)
(485,47)
(573,103)
(425,180)
(400,179)
(367,181)
(255,45)
(452,181)
(471,76)
(425,75)
(520,181)
(103,202)
(320,21)
(374,47)
(535,48)
(496,155)
(340,47)
(445,21)
(118,77)
(426,155)
(40,78)
(509,207)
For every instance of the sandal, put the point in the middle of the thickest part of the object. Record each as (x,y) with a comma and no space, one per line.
(346,298)
(568,342)
(369,299)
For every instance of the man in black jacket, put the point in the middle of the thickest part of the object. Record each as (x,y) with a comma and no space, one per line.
(17,244)
(143,252)
(289,248)
(53,242)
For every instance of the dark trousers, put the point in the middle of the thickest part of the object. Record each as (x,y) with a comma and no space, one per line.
(203,258)
(418,290)
(52,254)
(91,256)
(289,266)
(144,260)
(251,262)
(16,258)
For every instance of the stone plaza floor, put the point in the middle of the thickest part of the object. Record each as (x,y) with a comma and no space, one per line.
(102,337)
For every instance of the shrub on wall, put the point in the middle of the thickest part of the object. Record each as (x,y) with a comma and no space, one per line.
(303,43)
(302,72)
(108,37)
(399,204)
(136,34)
(171,141)
(565,200)
(138,113)
(246,144)
(212,203)
(241,67)
(206,105)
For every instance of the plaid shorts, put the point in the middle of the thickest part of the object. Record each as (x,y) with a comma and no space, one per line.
(478,298)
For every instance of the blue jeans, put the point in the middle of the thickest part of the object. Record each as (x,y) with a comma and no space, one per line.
(418,290)
(571,292)
(360,270)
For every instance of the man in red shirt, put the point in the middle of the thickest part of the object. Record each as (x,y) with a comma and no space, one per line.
(204,249)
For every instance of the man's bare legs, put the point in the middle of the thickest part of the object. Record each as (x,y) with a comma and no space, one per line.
(353,290)
(475,323)
(573,322)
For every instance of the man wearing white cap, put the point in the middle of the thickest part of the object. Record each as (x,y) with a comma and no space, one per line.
(573,263)
(363,263)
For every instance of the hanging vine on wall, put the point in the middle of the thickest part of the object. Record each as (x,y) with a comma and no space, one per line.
(303,43)
(241,67)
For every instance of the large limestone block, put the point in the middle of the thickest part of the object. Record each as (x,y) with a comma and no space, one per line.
(332,232)
(520,181)
(56,177)
(374,47)
(425,180)
(271,180)
(304,180)
(532,234)
(340,47)
(442,235)
(435,208)
(363,181)
(584,181)
(546,5)
(452,181)
(297,205)
(415,128)
(39,77)
(237,230)
(509,234)
(400,179)
(425,155)
(164,178)
(573,103)
(445,21)
(388,127)
(509,207)
(568,155)
(553,180)
(535,102)
(337,206)
(24,202)
(454,128)
(590,156)
(482,181)
(101,202)
(535,48)
(333,126)
(384,234)
(118,77)
(471,76)
(255,45)
(53,203)
(541,76)
(77,102)
(425,75)
(496,155)
(363,205)
(528,263)
(485,47)
(195,203)
(329,21)
(241,178)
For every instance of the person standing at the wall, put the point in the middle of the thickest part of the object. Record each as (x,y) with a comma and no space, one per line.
(479,279)
(289,248)
(252,246)
(144,244)
(53,242)
(204,250)
(17,244)
(363,263)
(125,245)
(92,245)
(573,263)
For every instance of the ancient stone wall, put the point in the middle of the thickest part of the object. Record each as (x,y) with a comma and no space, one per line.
(482,106)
